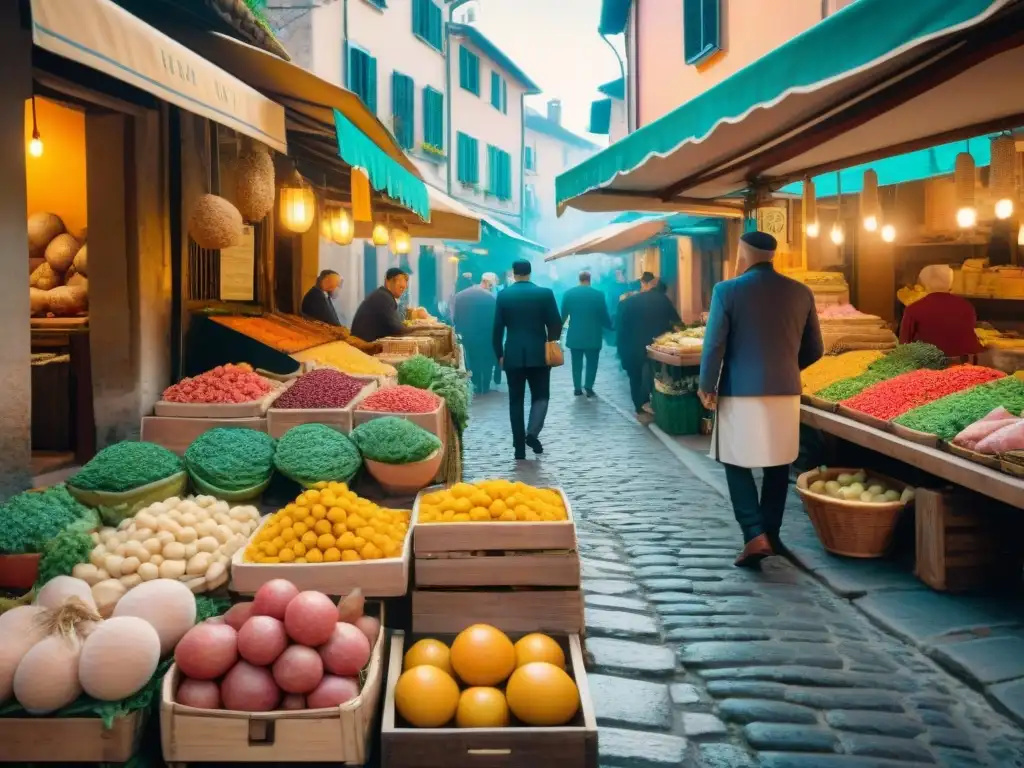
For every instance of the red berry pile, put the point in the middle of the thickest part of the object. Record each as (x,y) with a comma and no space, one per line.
(401,399)
(894,397)
(320,388)
(223,384)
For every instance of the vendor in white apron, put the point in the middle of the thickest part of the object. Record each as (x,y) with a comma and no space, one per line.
(762,331)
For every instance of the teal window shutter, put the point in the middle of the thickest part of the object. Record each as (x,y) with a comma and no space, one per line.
(468,161)
(495,90)
(506,187)
(492,170)
(426,22)
(469,70)
(403,109)
(529,159)
(433,118)
(702,29)
(382,4)
(601,116)
(362,76)
(499,173)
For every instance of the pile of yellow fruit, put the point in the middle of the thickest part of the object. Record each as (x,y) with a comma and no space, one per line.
(329,524)
(492,501)
(537,689)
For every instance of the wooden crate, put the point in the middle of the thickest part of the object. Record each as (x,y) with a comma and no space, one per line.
(176,434)
(376,578)
(511,610)
(435,421)
(250,410)
(498,569)
(335,735)
(280,420)
(964,542)
(568,746)
(70,739)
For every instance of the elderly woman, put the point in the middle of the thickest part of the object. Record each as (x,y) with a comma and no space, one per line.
(940,318)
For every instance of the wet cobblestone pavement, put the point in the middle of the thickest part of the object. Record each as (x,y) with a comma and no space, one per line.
(697,663)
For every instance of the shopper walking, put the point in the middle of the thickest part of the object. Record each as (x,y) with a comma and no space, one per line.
(473,316)
(762,331)
(642,317)
(525,319)
(586,313)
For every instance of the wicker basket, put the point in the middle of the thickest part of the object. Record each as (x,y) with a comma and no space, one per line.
(403,347)
(850,528)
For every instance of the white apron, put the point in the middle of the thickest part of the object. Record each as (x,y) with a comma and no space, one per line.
(757,432)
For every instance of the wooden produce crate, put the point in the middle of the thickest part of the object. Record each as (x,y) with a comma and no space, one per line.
(388,577)
(335,735)
(70,739)
(511,609)
(250,410)
(280,420)
(518,746)
(176,434)
(435,421)
(965,542)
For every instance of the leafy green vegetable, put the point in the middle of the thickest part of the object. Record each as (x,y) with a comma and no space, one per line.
(949,415)
(63,552)
(31,519)
(126,466)
(231,459)
(454,387)
(311,453)
(418,371)
(393,440)
(903,359)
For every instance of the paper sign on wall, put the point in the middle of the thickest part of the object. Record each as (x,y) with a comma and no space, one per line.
(238,267)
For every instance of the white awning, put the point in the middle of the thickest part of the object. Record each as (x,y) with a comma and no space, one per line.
(103,36)
(613,238)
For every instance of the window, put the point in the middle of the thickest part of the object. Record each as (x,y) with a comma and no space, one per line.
(530,158)
(403,109)
(702,30)
(433,118)
(362,76)
(499,93)
(469,70)
(499,173)
(530,198)
(426,22)
(469,160)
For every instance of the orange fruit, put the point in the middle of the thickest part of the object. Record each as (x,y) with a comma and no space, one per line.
(482,707)
(428,652)
(483,655)
(426,696)
(541,694)
(538,647)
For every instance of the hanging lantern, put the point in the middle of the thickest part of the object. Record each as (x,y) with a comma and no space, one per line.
(836,235)
(889,233)
(870,208)
(811,225)
(298,205)
(400,243)
(1002,177)
(380,235)
(963,177)
(338,225)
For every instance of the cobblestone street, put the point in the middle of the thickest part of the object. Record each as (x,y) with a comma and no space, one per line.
(697,663)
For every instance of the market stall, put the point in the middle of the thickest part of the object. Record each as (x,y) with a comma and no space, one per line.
(675,357)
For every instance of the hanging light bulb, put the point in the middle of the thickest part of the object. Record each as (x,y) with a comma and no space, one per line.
(298,205)
(1004,208)
(339,226)
(963,176)
(380,235)
(836,235)
(889,233)
(400,242)
(869,205)
(871,223)
(812,226)
(35,146)
(813,229)
(966,217)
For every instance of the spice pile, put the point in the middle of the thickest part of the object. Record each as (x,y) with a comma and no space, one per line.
(274,333)
(888,399)
(223,384)
(344,357)
(392,440)
(905,358)
(314,453)
(321,388)
(231,459)
(401,399)
(949,415)
(833,368)
(30,520)
(126,466)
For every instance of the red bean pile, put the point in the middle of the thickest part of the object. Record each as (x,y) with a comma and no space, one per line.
(894,397)
(320,388)
(401,399)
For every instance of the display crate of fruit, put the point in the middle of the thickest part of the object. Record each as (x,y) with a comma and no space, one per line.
(339,734)
(176,434)
(435,420)
(514,745)
(250,409)
(70,739)
(280,420)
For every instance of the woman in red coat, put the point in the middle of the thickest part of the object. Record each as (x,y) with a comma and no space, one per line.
(940,318)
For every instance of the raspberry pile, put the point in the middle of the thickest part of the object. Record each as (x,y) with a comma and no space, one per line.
(321,388)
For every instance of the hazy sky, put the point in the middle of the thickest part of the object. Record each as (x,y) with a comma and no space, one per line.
(556,43)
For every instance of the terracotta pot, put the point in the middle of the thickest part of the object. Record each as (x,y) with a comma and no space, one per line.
(18,571)
(405,478)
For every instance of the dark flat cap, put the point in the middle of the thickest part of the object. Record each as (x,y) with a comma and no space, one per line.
(760,240)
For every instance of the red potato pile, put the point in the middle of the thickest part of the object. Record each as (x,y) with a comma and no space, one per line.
(284,650)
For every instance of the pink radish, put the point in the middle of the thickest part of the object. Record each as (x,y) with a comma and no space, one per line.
(310,618)
(347,650)
(203,694)
(207,651)
(333,692)
(273,597)
(370,627)
(261,640)
(298,670)
(249,689)
(238,614)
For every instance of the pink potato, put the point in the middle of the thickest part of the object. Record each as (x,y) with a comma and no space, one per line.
(261,640)
(370,627)
(293,701)
(310,618)
(347,650)
(207,651)
(249,689)
(203,694)
(238,614)
(333,692)
(298,670)
(272,598)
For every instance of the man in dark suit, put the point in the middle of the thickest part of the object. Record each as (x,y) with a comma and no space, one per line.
(584,309)
(317,303)
(762,331)
(642,317)
(525,319)
(378,315)
(473,316)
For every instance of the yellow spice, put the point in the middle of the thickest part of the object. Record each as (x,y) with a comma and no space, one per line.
(835,367)
(345,358)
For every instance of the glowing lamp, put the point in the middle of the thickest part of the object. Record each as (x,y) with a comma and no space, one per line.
(813,229)
(1004,208)
(836,235)
(966,217)
(888,233)
(401,243)
(297,206)
(871,223)
(338,225)
(380,235)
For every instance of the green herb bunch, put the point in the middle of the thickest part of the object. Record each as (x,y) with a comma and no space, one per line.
(393,440)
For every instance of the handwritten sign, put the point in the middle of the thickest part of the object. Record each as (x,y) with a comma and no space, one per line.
(774,222)
(237,268)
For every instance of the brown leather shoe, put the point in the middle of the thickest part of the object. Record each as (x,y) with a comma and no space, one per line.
(757,549)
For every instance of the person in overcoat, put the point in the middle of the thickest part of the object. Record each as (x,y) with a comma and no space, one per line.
(473,315)
(642,317)
(762,331)
(525,319)
(586,312)
(318,302)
